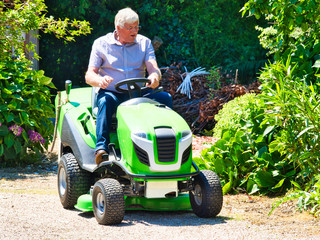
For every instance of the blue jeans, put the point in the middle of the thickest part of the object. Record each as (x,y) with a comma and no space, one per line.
(107,105)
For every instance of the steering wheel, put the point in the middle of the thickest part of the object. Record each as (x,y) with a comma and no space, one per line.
(133,88)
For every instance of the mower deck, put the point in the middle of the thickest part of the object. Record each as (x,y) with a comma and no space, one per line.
(179,203)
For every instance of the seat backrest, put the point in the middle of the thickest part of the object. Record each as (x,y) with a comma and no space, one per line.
(94,104)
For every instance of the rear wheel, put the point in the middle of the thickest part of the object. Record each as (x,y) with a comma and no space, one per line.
(72,180)
(206,199)
(108,201)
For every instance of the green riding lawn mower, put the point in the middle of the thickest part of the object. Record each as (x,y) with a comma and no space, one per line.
(150,163)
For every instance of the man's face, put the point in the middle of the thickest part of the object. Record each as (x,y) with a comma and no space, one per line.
(128,33)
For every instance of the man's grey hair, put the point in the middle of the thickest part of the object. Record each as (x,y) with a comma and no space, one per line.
(125,15)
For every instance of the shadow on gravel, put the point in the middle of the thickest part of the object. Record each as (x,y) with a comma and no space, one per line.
(161,218)
(29,172)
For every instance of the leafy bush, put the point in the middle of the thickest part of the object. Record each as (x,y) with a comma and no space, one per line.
(25,110)
(232,115)
(294,107)
(241,156)
(270,143)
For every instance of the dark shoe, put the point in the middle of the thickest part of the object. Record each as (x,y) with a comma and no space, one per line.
(101,155)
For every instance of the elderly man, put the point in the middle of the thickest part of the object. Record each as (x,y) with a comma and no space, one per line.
(114,57)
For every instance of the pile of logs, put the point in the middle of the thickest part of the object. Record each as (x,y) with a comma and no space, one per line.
(205,102)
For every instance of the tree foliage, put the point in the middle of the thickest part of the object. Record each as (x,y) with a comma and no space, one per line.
(196,33)
(18,17)
(293,32)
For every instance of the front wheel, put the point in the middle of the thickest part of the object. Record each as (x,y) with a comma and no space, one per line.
(206,198)
(72,180)
(108,201)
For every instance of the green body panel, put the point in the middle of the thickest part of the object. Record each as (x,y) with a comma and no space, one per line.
(78,108)
(145,117)
(179,203)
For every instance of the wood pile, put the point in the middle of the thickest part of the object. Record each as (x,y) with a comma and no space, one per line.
(205,102)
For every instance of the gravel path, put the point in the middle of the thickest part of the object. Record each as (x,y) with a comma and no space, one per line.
(30,209)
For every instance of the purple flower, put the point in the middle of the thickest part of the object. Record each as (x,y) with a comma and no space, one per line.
(17,130)
(35,137)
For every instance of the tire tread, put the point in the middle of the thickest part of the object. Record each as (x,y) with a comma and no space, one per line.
(78,181)
(212,200)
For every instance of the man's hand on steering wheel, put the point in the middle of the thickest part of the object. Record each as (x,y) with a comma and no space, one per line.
(154,81)
(105,81)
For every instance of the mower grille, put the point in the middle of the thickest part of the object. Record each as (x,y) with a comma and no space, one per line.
(186,154)
(166,144)
(141,154)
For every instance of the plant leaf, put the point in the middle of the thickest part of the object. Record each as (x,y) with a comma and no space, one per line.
(303,131)
(279,184)
(8,140)
(4,130)
(316,64)
(264,179)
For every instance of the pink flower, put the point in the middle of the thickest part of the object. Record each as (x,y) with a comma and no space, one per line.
(35,137)
(17,130)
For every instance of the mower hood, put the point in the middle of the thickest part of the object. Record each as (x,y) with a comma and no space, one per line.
(155,137)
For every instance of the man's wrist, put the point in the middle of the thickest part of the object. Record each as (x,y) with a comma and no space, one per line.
(157,76)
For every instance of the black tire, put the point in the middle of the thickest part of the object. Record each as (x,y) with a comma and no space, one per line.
(206,198)
(72,181)
(108,202)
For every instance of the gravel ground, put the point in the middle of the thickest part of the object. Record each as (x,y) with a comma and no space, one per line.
(30,209)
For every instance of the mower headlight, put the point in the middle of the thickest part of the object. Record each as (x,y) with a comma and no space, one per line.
(140,135)
(186,134)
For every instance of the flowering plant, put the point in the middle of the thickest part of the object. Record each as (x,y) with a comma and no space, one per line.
(25,109)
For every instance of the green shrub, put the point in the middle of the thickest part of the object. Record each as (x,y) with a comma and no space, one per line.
(241,156)
(25,110)
(275,145)
(281,126)
(294,107)
(291,90)
(233,113)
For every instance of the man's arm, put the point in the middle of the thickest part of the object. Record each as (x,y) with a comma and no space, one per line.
(154,73)
(95,80)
